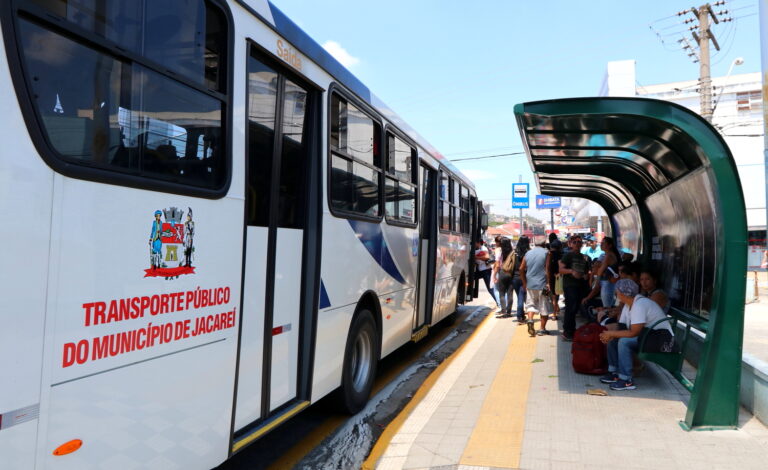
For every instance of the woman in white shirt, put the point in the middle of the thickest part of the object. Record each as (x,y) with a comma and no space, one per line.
(622,344)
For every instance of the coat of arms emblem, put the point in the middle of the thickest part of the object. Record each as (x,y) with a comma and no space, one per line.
(171,244)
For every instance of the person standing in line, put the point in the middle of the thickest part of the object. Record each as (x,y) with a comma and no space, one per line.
(607,272)
(523,246)
(482,256)
(534,274)
(567,244)
(573,267)
(502,277)
(591,249)
(555,253)
(497,256)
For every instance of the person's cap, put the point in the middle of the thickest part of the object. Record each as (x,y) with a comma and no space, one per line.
(627,287)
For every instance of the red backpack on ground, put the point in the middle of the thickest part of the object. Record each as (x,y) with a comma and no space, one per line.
(589,354)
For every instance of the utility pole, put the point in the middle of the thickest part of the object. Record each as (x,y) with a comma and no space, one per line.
(702,34)
(702,38)
(552,220)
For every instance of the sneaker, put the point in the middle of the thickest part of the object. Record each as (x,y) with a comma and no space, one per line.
(503,315)
(531,329)
(542,333)
(623,385)
(609,378)
(567,338)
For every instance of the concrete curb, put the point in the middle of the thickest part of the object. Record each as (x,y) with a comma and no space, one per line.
(754,376)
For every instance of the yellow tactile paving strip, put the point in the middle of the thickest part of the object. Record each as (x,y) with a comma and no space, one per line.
(498,435)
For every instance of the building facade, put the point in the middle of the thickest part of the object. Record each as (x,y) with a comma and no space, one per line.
(738,115)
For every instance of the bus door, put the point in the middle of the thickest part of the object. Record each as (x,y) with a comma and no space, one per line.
(474,235)
(428,245)
(278,151)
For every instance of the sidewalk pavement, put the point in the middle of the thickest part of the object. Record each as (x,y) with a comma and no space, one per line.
(506,400)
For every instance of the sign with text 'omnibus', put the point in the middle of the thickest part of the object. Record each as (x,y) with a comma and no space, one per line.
(520,196)
(547,202)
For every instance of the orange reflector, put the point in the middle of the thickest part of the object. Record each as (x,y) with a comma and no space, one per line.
(68,447)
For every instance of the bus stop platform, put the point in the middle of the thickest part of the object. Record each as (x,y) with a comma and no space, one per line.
(507,400)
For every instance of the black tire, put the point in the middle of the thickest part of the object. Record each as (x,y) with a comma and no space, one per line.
(361,356)
(461,293)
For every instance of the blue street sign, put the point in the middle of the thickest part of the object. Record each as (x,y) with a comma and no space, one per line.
(547,202)
(520,196)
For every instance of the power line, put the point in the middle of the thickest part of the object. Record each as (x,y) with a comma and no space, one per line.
(466,152)
(488,156)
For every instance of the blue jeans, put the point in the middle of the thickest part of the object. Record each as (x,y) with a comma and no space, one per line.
(607,293)
(517,285)
(486,277)
(620,356)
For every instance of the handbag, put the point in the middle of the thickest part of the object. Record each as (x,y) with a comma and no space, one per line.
(559,285)
(509,263)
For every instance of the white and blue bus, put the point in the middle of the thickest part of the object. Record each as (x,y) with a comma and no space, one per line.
(208,224)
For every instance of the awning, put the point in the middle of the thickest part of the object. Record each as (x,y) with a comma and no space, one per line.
(629,148)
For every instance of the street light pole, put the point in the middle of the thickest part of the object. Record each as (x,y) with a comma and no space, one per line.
(736,61)
(520,180)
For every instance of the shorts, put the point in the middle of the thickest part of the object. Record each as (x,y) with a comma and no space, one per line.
(537,303)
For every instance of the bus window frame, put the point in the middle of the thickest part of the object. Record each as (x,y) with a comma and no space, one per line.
(338,89)
(452,179)
(10,14)
(395,132)
(444,172)
(464,213)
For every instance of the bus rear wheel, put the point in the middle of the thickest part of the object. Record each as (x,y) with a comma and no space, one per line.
(360,358)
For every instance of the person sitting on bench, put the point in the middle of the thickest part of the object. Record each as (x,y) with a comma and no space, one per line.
(649,287)
(622,344)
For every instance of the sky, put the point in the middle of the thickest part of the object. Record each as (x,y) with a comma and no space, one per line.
(453,70)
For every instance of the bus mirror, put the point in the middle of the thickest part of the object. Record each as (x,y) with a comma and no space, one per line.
(484,221)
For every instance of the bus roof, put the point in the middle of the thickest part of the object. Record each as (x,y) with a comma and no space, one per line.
(286,28)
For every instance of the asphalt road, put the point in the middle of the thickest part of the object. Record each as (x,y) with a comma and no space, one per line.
(322,438)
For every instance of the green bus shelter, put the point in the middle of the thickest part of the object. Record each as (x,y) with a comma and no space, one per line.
(670,187)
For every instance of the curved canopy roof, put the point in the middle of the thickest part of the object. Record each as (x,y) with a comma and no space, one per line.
(614,151)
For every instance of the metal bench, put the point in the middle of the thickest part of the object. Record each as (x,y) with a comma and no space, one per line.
(672,362)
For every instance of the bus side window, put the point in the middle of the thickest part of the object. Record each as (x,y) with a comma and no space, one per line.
(118,115)
(464,210)
(166,32)
(400,190)
(355,167)
(445,205)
